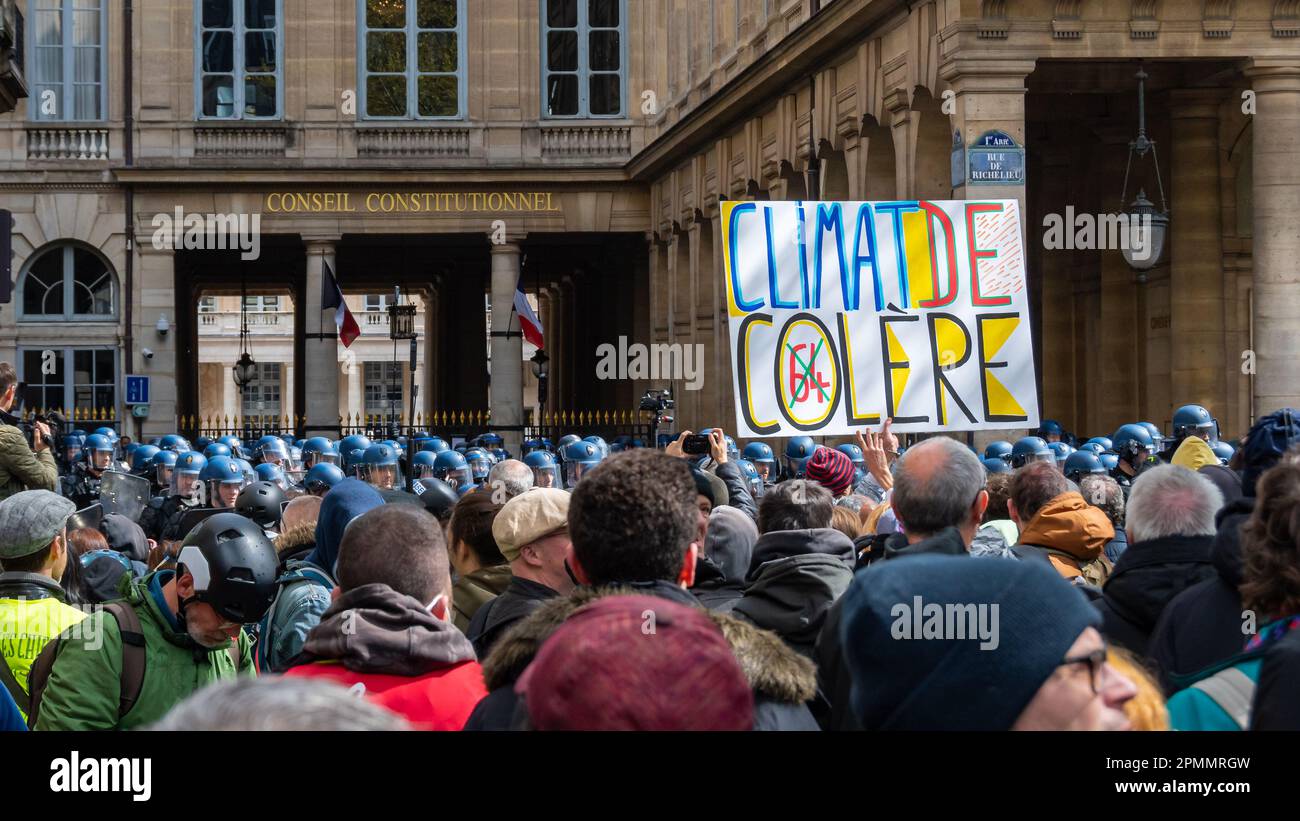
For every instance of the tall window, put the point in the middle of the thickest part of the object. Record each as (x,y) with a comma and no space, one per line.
(383,385)
(207,305)
(68,59)
(376,302)
(262,395)
(238,65)
(90,383)
(261,304)
(67,282)
(412,58)
(583,57)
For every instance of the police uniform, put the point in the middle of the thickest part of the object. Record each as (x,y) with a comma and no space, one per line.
(81,486)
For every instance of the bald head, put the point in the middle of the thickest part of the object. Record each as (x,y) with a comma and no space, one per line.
(939,483)
(304,510)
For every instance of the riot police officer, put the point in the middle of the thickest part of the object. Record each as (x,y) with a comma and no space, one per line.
(81,485)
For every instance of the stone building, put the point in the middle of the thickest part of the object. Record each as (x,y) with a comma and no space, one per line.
(580,148)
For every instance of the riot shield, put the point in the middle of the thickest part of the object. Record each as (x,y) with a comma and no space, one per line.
(87,517)
(124,494)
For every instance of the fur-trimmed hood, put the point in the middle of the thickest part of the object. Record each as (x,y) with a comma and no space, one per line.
(773,669)
(295,539)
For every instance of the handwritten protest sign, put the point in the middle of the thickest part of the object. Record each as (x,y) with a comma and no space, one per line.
(843,314)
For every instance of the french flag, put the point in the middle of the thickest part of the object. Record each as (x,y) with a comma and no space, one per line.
(528,321)
(332,297)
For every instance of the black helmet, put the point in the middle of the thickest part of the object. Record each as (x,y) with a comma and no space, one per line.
(233,564)
(436,495)
(262,502)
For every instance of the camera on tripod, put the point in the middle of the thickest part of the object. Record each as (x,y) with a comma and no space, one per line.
(656,402)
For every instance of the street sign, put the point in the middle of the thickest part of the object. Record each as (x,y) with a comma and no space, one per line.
(996,159)
(137,390)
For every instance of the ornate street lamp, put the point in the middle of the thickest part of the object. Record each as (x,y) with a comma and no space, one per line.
(1147,227)
(245,370)
(541,369)
(401,325)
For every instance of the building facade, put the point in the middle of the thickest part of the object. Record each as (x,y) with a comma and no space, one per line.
(579,149)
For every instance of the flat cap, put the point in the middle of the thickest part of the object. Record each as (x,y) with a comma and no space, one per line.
(528,517)
(30,520)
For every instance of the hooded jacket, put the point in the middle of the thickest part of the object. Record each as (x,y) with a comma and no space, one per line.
(84,688)
(400,655)
(21,468)
(738,495)
(473,590)
(1070,525)
(346,501)
(794,578)
(782,680)
(496,616)
(1147,577)
(728,548)
(296,543)
(1201,626)
(1193,453)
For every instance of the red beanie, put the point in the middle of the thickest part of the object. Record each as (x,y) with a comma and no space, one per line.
(831,469)
(637,663)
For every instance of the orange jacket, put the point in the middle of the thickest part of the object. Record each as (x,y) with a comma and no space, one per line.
(1071,525)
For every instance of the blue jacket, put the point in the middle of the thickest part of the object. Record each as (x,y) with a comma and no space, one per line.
(11,720)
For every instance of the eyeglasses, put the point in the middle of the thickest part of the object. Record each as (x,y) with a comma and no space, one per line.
(1096,661)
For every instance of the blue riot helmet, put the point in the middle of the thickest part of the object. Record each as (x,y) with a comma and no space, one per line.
(79,432)
(321,478)
(580,457)
(271,449)
(234,443)
(466,489)
(531,445)
(1081,463)
(1133,444)
(216,449)
(1060,451)
(1092,447)
(250,475)
(185,474)
(352,462)
(107,432)
(797,453)
(1223,450)
(381,467)
(1031,449)
(434,445)
(199,444)
(422,464)
(566,440)
(636,443)
(1157,437)
(1109,460)
(72,446)
(222,479)
(998,449)
(760,453)
(1104,441)
(142,459)
(1194,420)
(98,451)
(855,455)
(491,441)
(750,474)
(500,455)
(287,438)
(994,464)
(479,464)
(129,453)
(350,443)
(733,452)
(162,464)
(598,442)
(1050,431)
(298,443)
(396,446)
(267,472)
(418,438)
(452,468)
(546,471)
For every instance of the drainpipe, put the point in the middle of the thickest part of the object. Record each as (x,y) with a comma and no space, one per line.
(128,150)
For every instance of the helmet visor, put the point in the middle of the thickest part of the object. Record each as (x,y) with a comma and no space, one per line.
(546,477)
(576,470)
(383,477)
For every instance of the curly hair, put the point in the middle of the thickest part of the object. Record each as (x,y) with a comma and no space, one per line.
(1270,543)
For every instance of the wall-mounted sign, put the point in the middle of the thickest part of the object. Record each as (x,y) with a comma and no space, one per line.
(958,160)
(996,159)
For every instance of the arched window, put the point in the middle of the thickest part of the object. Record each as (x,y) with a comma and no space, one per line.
(68,282)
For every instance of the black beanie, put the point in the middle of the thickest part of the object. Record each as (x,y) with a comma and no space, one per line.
(906,681)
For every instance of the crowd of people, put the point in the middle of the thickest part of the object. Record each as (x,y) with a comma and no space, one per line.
(1135,581)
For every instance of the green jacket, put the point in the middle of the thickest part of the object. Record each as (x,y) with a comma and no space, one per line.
(20,468)
(476,589)
(84,688)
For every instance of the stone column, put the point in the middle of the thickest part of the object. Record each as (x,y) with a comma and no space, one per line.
(1196,262)
(1276,187)
(155,287)
(321,355)
(507,345)
(430,387)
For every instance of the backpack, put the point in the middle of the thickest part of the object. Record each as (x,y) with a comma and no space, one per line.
(296,572)
(1094,572)
(133,663)
(1233,691)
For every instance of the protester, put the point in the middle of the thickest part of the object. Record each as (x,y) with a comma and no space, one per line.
(172,634)
(297,537)
(996,532)
(278,704)
(126,553)
(1202,626)
(1105,494)
(509,478)
(34,553)
(1041,667)
(22,466)
(831,469)
(1170,522)
(482,573)
(633,521)
(721,569)
(11,718)
(83,540)
(846,522)
(1057,525)
(388,633)
(679,675)
(531,533)
(1236,695)
(1146,711)
(800,565)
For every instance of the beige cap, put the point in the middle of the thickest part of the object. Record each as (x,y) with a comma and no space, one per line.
(528,517)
